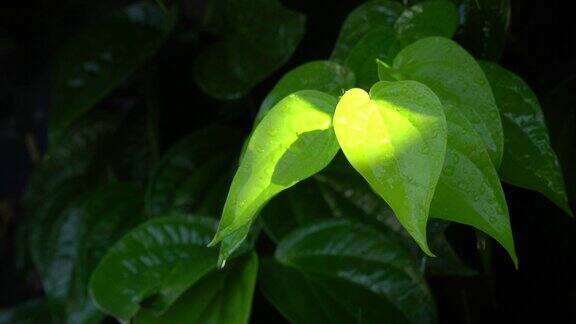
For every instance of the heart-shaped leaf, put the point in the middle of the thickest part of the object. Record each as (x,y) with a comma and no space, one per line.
(529,160)
(396,139)
(294,141)
(257,37)
(366,274)
(223,296)
(152,265)
(459,82)
(326,76)
(194,175)
(98,59)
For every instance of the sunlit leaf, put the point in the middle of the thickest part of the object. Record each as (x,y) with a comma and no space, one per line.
(99,58)
(469,190)
(484,27)
(529,160)
(459,82)
(153,265)
(366,274)
(396,138)
(294,141)
(325,76)
(223,296)
(257,37)
(194,175)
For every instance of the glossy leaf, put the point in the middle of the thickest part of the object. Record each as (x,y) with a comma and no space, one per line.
(369,16)
(529,160)
(98,59)
(469,190)
(428,18)
(484,27)
(294,141)
(257,37)
(459,82)
(325,76)
(153,265)
(370,273)
(194,175)
(396,139)
(223,296)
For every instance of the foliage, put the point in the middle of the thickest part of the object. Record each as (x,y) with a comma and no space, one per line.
(426,133)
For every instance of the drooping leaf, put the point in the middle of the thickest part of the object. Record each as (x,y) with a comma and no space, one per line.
(369,16)
(98,59)
(560,109)
(325,76)
(529,160)
(153,265)
(459,82)
(223,296)
(484,27)
(395,137)
(385,40)
(257,37)
(469,190)
(194,175)
(369,274)
(294,141)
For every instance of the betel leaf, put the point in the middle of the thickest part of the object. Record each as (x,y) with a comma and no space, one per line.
(223,296)
(153,265)
(98,59)
(484,27)
(194,175)
(395,137)
(369,274)
(459,82)
(294,141)
(325,76)
(368,16)
(257,37)
(529,160)
(384,41)
(469,190)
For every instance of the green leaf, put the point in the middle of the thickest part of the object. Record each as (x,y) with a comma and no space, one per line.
(529,160)
(36,311)
(294,141)
(469,190)
(459,82)
(223,296)
(396,139)
(194,175)
(484,27)
(97,60)
(383,41)
(559,110)
(369,273)
(257,37)
(153,265)
(325,76)
(368,16)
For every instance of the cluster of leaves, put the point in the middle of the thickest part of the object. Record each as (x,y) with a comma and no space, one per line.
(426,133)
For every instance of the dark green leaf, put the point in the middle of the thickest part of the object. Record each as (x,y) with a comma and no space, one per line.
(294,141)
(194,175)
(97,60)
(257,37)
(484,27)
(396,139)
(325,76)
(368,272)
(459,82)
(153,265)
(223,296)
(529,160)
(36,311)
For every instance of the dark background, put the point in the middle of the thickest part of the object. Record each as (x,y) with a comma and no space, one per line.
(541,47)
